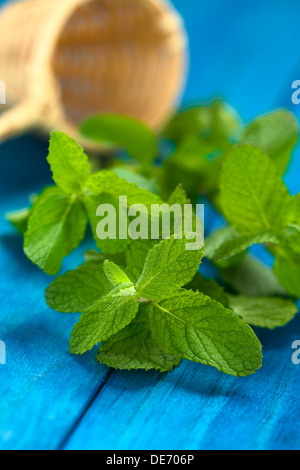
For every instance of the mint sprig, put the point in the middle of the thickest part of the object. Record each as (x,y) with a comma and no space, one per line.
(145,301)
(156,321)
(260,210)
(58,220)
(205,134)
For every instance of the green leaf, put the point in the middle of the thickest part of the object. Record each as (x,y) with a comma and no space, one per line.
(179,196)
(133,274)
(114,131)
(293,212)
(288,274)
(225,244)
(68,162)
(137,253)
(192,326)
(56,226)
(169,266)
(276,134)
(115,274)
(77,290)
(93,256)
(265,312)
(215,121)
(132,176)
(19,219)
(253,195)
(105,318)
(134,348)
(210,288)
(252,278)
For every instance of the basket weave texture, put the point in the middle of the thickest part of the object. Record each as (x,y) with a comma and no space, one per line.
(64,60)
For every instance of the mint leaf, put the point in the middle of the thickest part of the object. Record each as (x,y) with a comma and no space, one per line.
(265,312)
(215,121)
(134,348)
(252,278)
(137,253)
(288,274)
(132,176)
(179,196)
(68,162)
(105,318)
(19,219)
(192,326)
(293,212)
(56,226)
(115,274)
(169,266)
(93,256)
(77,290)
(114,131)
(225,244)
(133,274)
(210,288)
(276,134)
(253,195)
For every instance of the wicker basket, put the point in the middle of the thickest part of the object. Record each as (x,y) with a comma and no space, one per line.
(64,60)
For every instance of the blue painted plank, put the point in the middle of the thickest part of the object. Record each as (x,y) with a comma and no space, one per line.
(43,388)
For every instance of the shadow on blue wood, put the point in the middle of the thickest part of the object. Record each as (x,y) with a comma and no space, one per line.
(247,54)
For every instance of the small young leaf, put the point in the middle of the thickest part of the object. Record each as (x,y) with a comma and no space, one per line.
(20,219)
(77,290)
(194,327)
(265,312)
(56,226)
(68,162)
(122,131)
(115,274)
(169,266)
(134,348)
(104,319)
(178,196)
(253,195)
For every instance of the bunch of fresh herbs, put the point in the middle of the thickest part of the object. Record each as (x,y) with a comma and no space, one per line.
(145,301)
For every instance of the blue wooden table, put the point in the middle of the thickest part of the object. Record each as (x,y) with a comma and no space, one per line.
(247,53)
